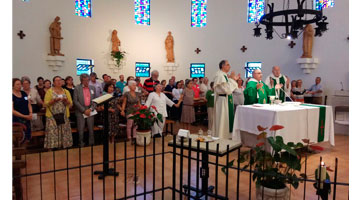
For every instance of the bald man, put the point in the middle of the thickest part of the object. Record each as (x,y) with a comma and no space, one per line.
(257,91)
(275,78)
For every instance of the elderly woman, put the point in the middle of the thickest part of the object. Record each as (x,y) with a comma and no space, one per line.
(35,101)
(57,103)
(114,108)
(22,111)
(131,99)
(159,100)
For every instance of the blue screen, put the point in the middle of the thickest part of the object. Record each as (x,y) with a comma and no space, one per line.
(142,69)
(84,66)
(250,67)
(197,70)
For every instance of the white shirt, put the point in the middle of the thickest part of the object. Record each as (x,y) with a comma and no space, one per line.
(159,102)
(177,93)
(203,88)
(34,96)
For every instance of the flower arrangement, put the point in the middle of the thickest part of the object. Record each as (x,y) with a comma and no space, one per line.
(118,56)
(144,118)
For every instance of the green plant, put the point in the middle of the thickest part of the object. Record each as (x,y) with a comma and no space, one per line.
(118,56)
(144,118)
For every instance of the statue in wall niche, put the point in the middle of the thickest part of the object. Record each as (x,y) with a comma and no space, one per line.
(55,37)
(308,39)
(169,46)
(115,42)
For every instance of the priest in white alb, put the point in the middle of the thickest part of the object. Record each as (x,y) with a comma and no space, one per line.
(275,78)
(224,110)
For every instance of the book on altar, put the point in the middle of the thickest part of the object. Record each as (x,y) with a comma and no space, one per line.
(103,98)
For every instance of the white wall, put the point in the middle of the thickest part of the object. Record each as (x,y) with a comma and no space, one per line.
(222,38)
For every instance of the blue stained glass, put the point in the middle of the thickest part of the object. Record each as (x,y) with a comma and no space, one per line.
(83,8)
(321,4)
(142,12)
(198,13)
(256,9)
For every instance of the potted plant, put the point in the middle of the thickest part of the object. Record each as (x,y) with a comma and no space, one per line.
(144,118)
(275,169)
(118,56)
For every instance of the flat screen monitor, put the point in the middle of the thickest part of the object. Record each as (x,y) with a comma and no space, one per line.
(197,70)
(142,69)
(250,67)
(84,66)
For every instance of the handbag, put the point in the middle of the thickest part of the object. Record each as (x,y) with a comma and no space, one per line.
(59,118)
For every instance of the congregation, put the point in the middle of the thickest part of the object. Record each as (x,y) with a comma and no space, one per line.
(56,106)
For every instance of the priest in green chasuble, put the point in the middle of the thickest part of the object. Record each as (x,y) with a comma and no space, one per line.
(275,78)
(224,85)
(257,91)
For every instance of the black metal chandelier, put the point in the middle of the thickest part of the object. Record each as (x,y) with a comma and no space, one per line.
(295,21)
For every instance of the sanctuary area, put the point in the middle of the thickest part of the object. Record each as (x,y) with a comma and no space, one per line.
(180,99)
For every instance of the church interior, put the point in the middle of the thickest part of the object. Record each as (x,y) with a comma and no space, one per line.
(170,99)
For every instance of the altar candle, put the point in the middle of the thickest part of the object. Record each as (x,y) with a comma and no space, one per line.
(322,174)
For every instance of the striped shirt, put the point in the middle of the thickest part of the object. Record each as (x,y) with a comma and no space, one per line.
(149,84)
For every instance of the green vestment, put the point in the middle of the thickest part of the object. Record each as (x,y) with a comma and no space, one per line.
(253,95)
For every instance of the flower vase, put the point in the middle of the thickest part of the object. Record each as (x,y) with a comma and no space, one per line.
(140,135)
(270,194)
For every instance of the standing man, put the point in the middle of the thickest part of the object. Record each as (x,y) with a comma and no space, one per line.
(224,86)
(106,78)
(121,84)
(257,91)
(83,95)
(316,91)
(96,84)
(275,78)
(150,83)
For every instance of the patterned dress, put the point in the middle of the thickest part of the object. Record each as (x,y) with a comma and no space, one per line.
(58,136)
(114,117)
(188,111)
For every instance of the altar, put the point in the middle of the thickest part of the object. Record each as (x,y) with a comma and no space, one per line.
(299,121)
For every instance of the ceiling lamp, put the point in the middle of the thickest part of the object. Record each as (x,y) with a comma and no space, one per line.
(295,20)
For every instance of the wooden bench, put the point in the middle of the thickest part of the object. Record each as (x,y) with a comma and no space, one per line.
(18,163)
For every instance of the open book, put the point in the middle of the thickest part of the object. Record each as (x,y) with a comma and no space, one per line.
(102,98)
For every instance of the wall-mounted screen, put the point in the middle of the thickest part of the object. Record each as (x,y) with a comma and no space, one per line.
(142,69)
(250,67)
(84,66)
(197,70)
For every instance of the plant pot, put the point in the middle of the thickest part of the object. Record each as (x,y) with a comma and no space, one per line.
(272,194)
(140,135)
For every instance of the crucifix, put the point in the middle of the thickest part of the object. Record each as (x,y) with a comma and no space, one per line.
(243,48)
(197,50)
(21,34)
(292,44)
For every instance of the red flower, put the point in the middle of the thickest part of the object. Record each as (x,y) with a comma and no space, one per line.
(276,127)
(143,116)
(137,105)
(143,107)
(316,148)
(260,144)
(149,116)
(260,128)
(153,107)
(137,113)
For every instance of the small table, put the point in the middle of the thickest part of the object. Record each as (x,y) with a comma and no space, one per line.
(204,170)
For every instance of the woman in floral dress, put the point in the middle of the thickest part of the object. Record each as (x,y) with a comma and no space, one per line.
(57,100)
(114,111)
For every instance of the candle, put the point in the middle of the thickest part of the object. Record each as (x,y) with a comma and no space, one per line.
(322,174)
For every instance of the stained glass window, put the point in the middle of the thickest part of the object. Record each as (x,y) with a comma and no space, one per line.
(83,8)
(320,4)
(256,9)
(142,12)
(250,67)
(198,13)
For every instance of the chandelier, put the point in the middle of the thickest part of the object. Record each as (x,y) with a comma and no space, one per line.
(294,21)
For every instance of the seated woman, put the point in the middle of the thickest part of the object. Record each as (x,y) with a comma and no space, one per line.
(36,103)
(57,102)
(22,110)
(130,100)
(159,100)
(114,111)
(299,91)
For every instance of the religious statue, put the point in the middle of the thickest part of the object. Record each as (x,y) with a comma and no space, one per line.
(169,46)
(115,42)
(55,37)
(308,38)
